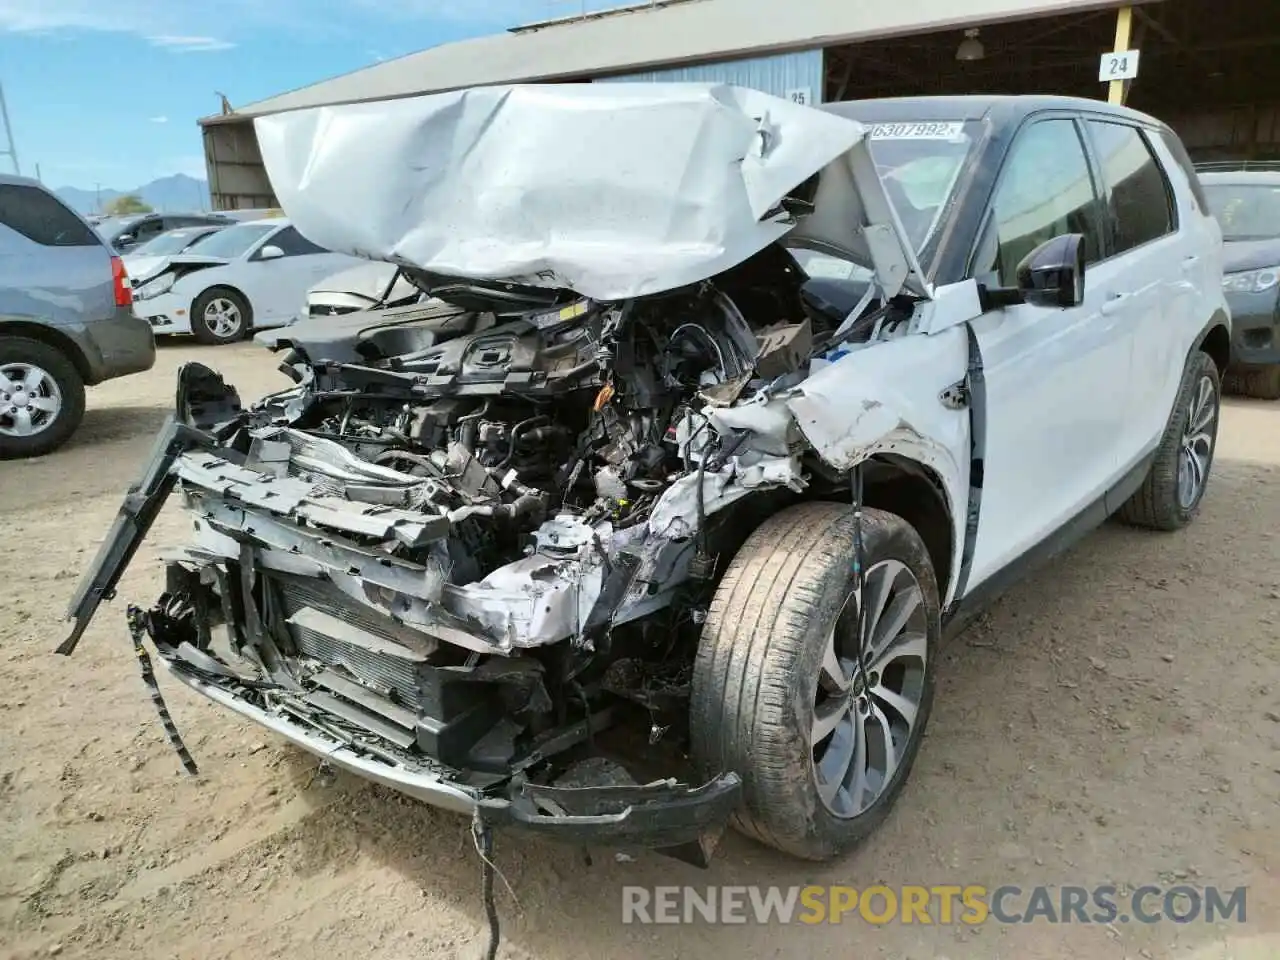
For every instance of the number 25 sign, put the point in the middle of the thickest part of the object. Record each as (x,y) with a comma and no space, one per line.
(1119,65)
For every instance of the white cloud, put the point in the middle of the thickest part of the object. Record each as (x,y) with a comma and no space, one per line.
(189,44)
(160,119)
(120,16)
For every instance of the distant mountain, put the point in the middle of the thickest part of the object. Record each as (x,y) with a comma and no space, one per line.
(178,192)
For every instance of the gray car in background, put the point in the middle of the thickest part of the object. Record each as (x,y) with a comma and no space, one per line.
(66,318)
(128,232)
(1245,198)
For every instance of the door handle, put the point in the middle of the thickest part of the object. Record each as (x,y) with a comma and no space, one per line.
(1114,302)
(1189,263)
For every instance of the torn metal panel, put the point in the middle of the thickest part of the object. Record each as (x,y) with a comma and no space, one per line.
(885,400)
(333,553)
(675,516)
(545,597)
(292,496)
(496,183)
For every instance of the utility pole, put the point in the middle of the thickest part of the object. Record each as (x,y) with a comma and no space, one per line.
(39,178)
(12,151)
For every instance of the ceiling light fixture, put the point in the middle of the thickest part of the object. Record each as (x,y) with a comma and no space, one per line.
(971,47)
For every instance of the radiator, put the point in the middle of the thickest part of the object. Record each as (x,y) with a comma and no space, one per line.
(388,666)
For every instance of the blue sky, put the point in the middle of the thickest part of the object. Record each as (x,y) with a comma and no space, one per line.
(109,91)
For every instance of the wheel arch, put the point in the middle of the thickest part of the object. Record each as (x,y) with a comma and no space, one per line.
(53,337)
(1215,340)
(917,494)
(893,483)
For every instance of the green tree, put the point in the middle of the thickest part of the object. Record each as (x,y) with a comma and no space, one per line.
(129,203)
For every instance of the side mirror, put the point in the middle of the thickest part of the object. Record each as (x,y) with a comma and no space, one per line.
(125,240)
(1051,275)
(270,252)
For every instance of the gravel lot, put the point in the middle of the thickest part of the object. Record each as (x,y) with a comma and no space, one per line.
(1115,719)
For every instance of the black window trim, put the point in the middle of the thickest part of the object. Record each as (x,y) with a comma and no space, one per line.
(985,222)
(1171,197)
(1173,143)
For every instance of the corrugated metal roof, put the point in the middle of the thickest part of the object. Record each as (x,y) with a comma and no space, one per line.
(637,39)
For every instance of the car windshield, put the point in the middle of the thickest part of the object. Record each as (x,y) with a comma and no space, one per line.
(919,163)
(233,241)
(1245,211)
(175,241)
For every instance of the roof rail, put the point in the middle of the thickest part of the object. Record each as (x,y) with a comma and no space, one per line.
(1232,166)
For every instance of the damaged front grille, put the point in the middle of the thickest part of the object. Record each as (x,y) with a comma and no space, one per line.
(390,668)
(381,677)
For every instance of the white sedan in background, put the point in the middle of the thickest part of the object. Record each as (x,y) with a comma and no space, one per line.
(248,275)
(146,261)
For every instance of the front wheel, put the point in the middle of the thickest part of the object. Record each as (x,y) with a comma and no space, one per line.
(41,398)
(220,315)
(822,724)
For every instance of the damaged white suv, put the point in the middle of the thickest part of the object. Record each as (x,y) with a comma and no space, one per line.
(731,409)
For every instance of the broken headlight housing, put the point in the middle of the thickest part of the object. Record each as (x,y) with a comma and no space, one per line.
(154,288)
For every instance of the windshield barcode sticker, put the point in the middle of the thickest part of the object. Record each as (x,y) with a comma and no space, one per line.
(949,130)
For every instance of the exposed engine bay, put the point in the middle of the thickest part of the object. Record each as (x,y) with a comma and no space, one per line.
(482,529)
(552,447)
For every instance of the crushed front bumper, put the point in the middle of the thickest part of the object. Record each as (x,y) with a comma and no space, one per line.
(675,818)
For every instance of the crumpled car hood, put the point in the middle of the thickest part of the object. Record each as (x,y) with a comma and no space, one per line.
(143,268)
(613,191)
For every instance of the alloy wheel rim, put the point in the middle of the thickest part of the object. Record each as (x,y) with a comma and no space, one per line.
(866,708)
(1196,450)
(222,317)
(30,400)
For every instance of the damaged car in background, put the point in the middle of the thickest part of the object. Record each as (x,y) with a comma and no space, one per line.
(650,516)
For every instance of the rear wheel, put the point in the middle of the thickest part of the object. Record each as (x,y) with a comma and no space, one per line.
(220,315)
(822,724)
(41,398)
(1170,496)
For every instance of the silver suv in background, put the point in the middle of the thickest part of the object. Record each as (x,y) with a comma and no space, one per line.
(66,319)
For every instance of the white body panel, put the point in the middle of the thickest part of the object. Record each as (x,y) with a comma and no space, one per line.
(1075,399)
(1057,391)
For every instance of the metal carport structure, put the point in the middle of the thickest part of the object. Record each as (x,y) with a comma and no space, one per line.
(1203,68)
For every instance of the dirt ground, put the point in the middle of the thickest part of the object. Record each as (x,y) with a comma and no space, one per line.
(1115,719)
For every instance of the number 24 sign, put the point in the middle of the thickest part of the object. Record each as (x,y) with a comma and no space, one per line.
(1119,65)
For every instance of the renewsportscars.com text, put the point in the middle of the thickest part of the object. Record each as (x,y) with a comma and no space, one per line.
(940,904)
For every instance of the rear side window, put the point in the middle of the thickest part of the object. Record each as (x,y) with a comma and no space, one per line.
(1140,201)
(1184,161)
(42,219)
(1046,190)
